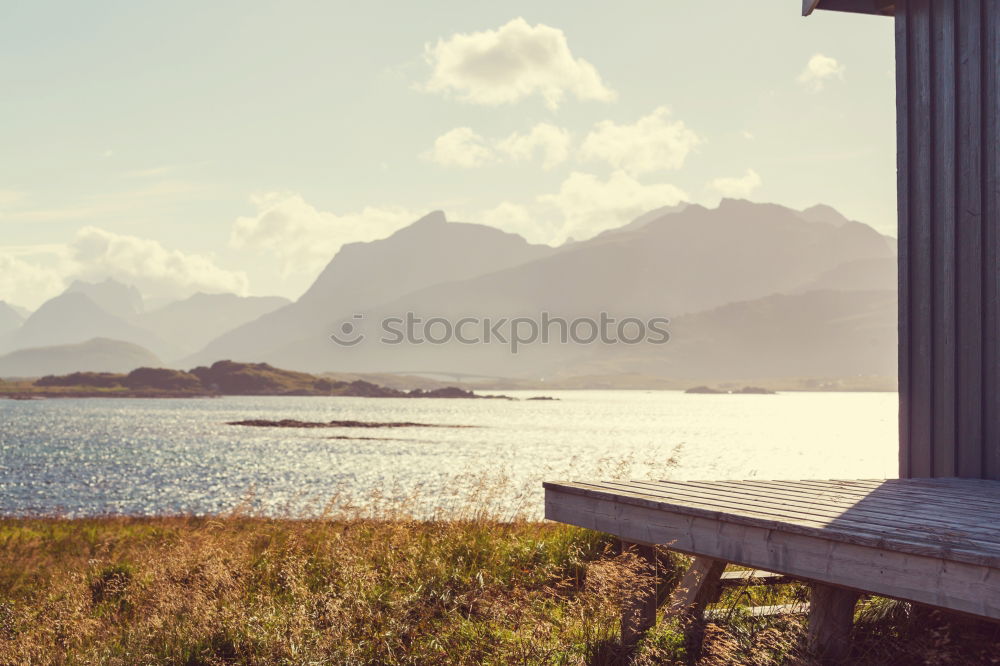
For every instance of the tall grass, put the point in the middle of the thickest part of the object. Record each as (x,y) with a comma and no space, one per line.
(265,591)
(359,585)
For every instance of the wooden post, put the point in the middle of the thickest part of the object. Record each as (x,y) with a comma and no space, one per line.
(831,616)
(639,610)
(698,588)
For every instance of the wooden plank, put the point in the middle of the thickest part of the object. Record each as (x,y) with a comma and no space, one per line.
(942,516)
(944,499)
(903,236)
(967,587)
(926,506)
(831,616)
(719,615)
(885,525)
(968,288)
(893,512)
(639,610)
(990,141)
(856,534)
(968,487)
(920,255)
(943,239)
(929,507)
(753,577)
(962,499)
(888,495)
(959,493)
(947,495)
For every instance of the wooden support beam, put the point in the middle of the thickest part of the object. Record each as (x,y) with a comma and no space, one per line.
(698,588)
(720,615)
(753,577)
(831,616)
(639,610)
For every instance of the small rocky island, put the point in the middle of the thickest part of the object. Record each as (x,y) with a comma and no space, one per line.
(746,390)
(221,378)
(292,423)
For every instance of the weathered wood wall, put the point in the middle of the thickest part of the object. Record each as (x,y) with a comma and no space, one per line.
(948,105)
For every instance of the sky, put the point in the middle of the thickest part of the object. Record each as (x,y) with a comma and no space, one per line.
(237,145)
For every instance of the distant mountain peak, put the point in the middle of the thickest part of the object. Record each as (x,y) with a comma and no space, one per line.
(646,218)
(825,214)
(434,217)
(80,284)
(729,202)
(117,298)
(10,318)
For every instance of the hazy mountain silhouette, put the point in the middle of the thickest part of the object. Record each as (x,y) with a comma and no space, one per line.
(677,263)
(73,317)
(10,319)
(117,299)
(859,275)
(363,275)
(825,214)
(646,218)
(24,312)
(110,309)
(740,279)
(814,334)
(195,321)
(98,354)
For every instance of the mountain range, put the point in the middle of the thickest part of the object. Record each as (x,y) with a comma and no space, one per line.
(97,355)
(10,318)
(115,311)
(751,291)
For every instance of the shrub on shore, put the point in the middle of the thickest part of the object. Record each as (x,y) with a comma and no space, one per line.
(163,379)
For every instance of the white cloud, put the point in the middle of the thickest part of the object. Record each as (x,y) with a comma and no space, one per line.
(819,70)
(461,147)
(303,238)
(652,143)
(28,283)
(553,143)
(32,274)
(156,271)
(741,187)
(588,205)
(515,61)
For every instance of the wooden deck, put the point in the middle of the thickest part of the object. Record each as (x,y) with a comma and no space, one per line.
(932,541)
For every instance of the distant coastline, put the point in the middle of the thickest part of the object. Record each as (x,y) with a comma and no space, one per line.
(223,378)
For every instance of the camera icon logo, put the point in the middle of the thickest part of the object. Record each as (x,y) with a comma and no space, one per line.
(349,332)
